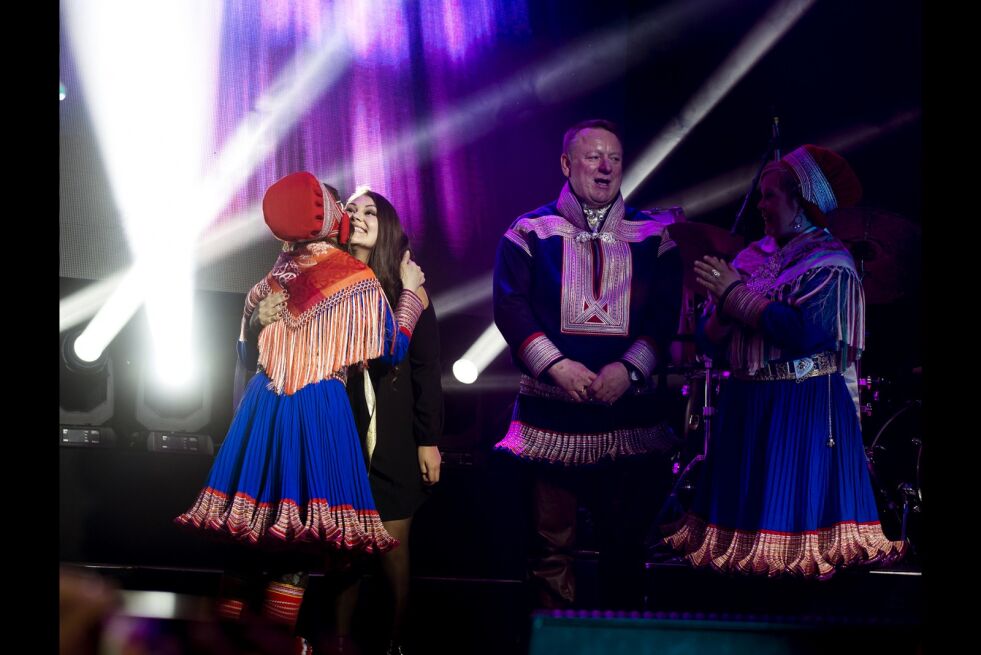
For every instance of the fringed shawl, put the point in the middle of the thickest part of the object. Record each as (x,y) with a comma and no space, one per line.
(335,316)
(784,274)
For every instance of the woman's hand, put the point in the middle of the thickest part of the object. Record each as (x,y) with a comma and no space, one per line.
(429,462)
(410,273)
(269,310)
(715,275)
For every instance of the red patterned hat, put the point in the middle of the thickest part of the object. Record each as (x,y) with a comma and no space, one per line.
(299,208)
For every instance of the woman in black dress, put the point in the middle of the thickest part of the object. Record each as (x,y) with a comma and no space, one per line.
(400,416)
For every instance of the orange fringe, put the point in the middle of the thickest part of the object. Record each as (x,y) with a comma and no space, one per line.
(347,328)
(814,554)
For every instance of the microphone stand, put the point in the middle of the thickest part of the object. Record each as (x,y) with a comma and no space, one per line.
(772,147)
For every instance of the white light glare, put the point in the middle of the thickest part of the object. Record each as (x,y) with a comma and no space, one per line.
(488,346)
(750,50)
(86,350)
(465,371)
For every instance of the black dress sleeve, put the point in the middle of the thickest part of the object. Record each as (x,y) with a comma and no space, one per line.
(427,387)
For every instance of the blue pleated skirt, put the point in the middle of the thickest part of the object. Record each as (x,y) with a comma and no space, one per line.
(785,488)
(290,472)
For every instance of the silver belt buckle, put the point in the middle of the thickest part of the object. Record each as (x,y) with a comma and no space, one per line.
(802,367)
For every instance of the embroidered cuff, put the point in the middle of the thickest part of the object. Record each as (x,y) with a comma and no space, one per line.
(254,297)
(722,301)
(408,311)
(745,305)
(538,353)
(641,356)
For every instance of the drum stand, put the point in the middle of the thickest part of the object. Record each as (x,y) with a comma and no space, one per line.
(909,493)
(708,411)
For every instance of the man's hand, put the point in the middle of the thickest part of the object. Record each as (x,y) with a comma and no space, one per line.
(573,377)
(611,383)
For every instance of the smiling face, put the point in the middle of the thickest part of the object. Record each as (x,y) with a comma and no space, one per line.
(777,205)
(364,224)
(594,166)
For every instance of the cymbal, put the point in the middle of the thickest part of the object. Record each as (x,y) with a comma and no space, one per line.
(886,248)
(695,240)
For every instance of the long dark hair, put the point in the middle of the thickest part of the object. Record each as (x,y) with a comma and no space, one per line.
(392,242)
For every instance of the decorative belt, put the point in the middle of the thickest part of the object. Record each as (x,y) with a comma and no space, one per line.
(798,369)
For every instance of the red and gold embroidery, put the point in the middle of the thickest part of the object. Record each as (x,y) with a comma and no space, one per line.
(245,519)
(815,553)
(529,442)
(583,310)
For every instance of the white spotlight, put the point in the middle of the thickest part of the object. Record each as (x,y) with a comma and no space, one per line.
(161,234)
(111,317)
(465,371)
(87,350)
(489,345)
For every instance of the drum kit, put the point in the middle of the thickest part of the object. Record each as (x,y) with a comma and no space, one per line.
(885,247)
